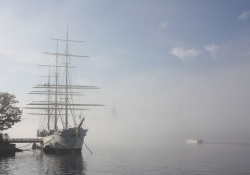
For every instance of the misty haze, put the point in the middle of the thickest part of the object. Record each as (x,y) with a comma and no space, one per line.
(126,87)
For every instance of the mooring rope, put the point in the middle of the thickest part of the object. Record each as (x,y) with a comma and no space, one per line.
(48,141)
(87,147)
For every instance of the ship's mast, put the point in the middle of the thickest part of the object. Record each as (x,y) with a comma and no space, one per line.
(58,90)
(56,87)
(49,100)
(66,100)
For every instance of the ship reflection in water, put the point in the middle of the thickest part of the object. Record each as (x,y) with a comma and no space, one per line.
(65,163)
(36,162)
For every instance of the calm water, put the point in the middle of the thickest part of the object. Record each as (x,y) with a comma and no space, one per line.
(203,159)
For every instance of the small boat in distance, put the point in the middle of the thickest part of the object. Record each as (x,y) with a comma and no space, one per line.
(200,141)
(194,141)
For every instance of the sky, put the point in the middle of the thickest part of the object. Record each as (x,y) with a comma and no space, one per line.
(175,70)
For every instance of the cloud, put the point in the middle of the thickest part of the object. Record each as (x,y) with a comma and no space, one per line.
(163,25)
(212,49)
(184,54)
(244,15)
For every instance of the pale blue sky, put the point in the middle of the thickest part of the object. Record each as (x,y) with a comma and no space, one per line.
(185,62)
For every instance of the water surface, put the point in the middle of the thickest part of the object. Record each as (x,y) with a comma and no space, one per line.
(205,159)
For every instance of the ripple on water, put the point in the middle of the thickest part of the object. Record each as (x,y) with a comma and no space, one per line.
(206,159)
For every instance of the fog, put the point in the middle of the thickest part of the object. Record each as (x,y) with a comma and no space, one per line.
(213,108)
(155,112)
(173,71)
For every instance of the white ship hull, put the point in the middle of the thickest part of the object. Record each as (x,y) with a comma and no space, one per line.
(64,141)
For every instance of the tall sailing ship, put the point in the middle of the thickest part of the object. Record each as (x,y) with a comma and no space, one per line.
(58,131)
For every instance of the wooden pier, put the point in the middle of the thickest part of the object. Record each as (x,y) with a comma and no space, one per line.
(25,140)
